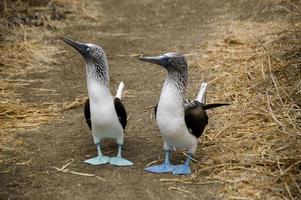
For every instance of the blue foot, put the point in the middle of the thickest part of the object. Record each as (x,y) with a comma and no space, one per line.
(164,168)
(119,161)
(181,170)
(99,160)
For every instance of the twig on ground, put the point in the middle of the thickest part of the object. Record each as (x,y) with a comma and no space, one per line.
(290,167)
(270,71)
(213,80)
(272,113)
(63,169)
(193,159)
(129,117)
(296,184)
(172,180)
(66,165)
(288,191)
(153,162)
(3,172)
(189,182)
(179,189)
(150,107)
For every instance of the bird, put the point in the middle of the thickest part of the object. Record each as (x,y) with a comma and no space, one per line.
(180,121)
(105,114)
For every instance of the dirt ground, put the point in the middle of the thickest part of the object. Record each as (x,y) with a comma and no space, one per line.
(124,29)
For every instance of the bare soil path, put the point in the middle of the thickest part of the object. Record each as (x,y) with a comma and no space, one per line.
(125,28)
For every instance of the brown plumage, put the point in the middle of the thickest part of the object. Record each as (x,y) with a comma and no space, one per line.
(196,117)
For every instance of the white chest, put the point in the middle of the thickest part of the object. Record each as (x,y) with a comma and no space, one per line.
(103,114)
(170,113)
(171,119)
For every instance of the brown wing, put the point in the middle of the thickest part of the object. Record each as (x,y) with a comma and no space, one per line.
(121,112)
(196,118)
(87,113)
(155,109)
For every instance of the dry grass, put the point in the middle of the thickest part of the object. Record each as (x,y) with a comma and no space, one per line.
(23,56)
(19,59)
(23,51)
(46,13)
(254,147)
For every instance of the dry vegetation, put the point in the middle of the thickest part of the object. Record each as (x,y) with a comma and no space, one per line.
(23,27)
(254,147)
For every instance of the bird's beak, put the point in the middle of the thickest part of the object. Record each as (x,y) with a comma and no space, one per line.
(80,47)
(159,60)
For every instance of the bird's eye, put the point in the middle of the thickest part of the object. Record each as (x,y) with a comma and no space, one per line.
(169,60)
(88,49)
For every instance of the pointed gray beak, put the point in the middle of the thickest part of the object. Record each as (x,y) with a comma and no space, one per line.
(159,60)
(80,47)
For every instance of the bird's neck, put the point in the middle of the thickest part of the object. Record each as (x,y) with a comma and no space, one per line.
(173,92)
(178,81)
(98,72)
(98,92)
(98,82)
(171,102)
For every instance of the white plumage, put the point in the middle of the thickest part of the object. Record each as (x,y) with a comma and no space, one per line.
(105,123)
(171,122)
(105,115)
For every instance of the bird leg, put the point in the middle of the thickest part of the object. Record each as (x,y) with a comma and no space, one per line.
(98,160)
(183,169)
(118,160)
(163,168)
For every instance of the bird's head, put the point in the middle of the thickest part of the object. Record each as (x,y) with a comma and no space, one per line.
(172,61)
(90,52)
(96,61)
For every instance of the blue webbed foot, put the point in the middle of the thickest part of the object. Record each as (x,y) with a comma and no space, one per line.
(181,170)
(99,160)
(119,161)
(164,168)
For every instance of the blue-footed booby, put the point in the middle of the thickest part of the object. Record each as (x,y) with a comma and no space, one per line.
(105,115)
(181,122)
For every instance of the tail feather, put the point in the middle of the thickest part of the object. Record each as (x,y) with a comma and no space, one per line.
(214,105)
(201,98)
(202,93)
(119,92)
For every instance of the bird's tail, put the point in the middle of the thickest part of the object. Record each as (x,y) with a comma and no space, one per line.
(202,93)
(202,98)
(119,92)
(214,105)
